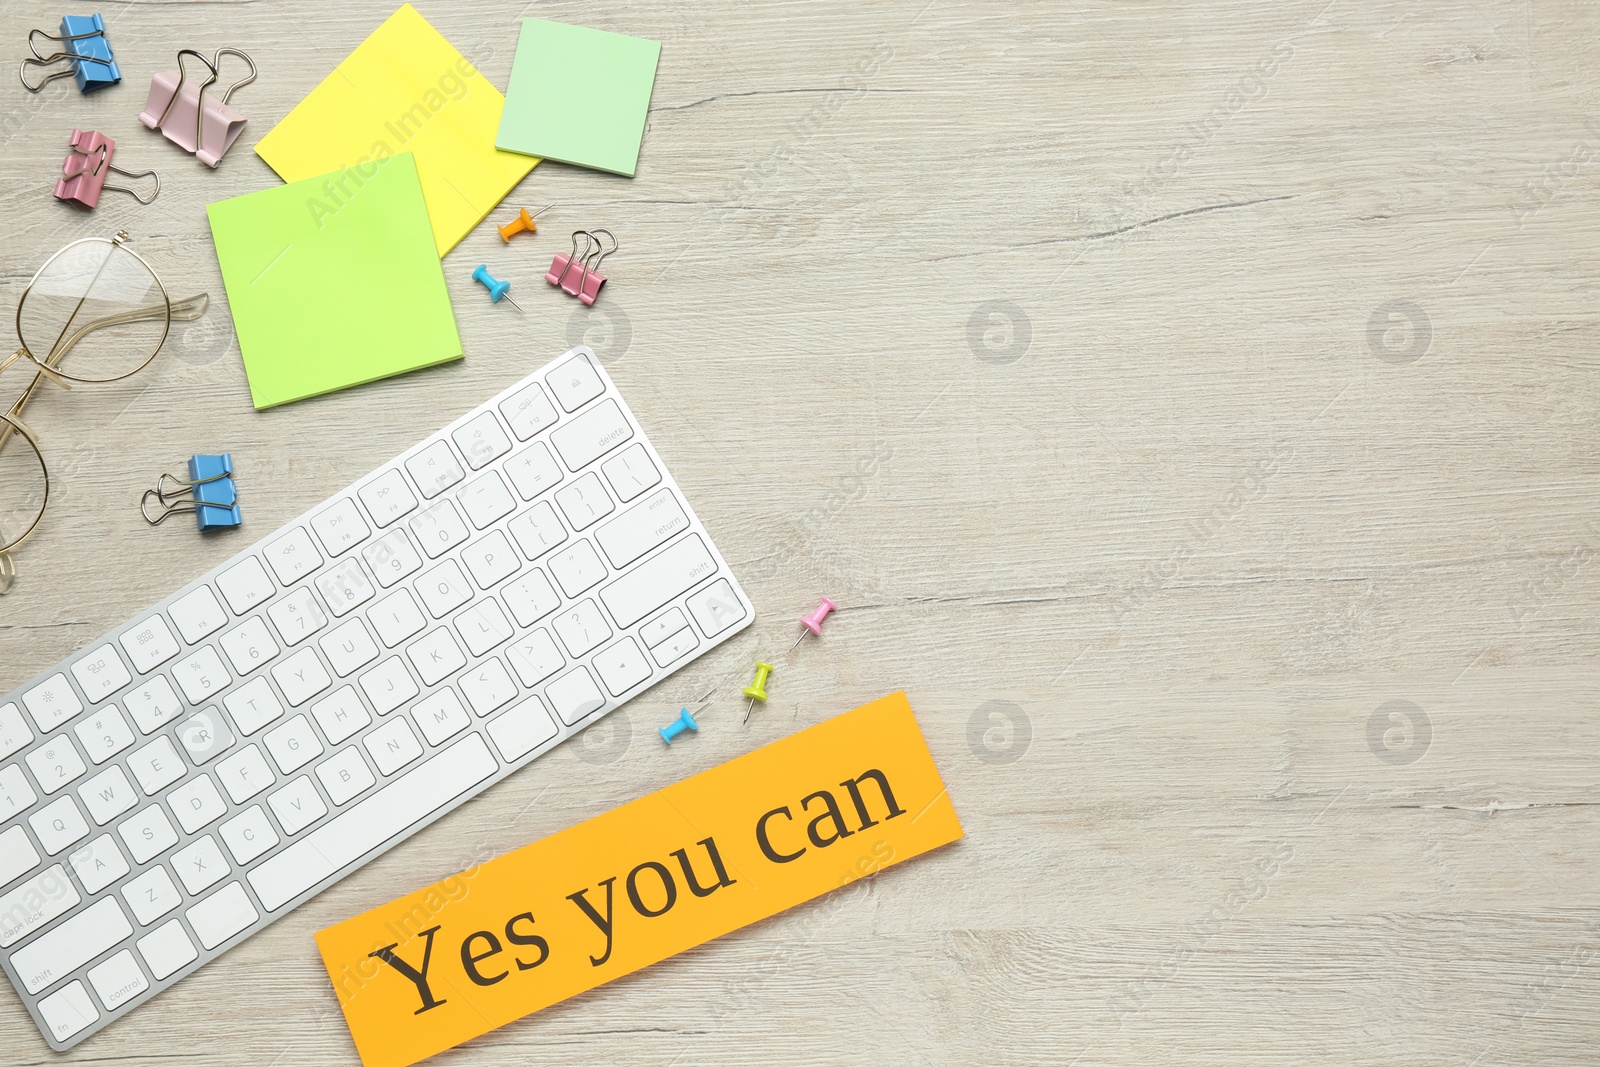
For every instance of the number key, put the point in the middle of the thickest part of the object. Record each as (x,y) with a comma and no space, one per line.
(391,557)
(55,764)
(345,588)
(104,734)
(297,616)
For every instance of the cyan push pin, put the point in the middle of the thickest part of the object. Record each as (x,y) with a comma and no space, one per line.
(684,721)
(757,690)
(497,289)
(813,623)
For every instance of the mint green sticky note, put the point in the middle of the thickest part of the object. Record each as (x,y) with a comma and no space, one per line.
(334,281)
(578,96)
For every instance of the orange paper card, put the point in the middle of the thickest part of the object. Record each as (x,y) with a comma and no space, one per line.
(664,873)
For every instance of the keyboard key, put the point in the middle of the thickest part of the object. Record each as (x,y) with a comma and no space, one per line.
(149,644)
(533,470)
(14,733)
(522,729)
(443,589)
(436,656)
(537,530)
(577,568)
(491,560)
(68,1010)
(584,502)
(621,666)
(245,584)
(197,803)
(574,696)
(530,598)
(152,704)
(591,435)
(297,616)
(167,950)
(58,825)
(388,685)
(52,702)
(46,896)
(349,647)
(98,864)
(388,498)
(394,809)
(201,675)
(222,915)
(17,854)
(488,687)
(205,736)
(301,677)
(345,587)
(294,744)
(151,895)
(482,441)
(340,528)
(249,645)
(148,834)
(292,557)
(630,472)
(107,795)
(297,805)
(715,608)
(341,715)
(198,615)
(345,776)
(396,617)
(391,557)
(648,524)
(55,764)
(439,529)
(100,673)
(662,627)
(657,580)
(483,626)
(575,383)
(200,865)
(104,734)
(486,500)
(441,716)
(156,765)
(528,411)
(245,774)
(435,469)
(248,835)
(534,657)
(118,980)
(16,795)
(253,706)
(675,647)
(581,628)
(392,746)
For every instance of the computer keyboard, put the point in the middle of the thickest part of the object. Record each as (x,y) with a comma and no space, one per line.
(192,776)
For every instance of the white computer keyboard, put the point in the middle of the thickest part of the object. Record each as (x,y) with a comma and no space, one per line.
(345,681)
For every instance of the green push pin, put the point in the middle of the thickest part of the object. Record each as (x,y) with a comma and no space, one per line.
(757,690)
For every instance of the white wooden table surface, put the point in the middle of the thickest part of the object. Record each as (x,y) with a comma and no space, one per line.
(1192,406)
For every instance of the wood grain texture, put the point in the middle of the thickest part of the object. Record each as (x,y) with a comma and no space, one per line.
(1161,390)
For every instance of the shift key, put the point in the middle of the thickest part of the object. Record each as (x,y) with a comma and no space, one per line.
(657,580)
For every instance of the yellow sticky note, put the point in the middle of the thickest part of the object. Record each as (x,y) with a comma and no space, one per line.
(664,873)
(405,89)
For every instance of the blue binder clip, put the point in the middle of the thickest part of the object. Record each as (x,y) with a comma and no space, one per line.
(83,39)
(209,492)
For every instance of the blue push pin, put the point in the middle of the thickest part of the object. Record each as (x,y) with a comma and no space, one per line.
(684,721)
(497,289)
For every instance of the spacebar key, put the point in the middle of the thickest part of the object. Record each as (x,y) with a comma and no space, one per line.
(394,809)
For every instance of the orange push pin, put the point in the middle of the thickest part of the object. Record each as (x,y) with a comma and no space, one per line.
(757,690)
(522,222)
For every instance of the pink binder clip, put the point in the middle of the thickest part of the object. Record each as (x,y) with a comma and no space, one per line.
(586,283)
(186,116)
(86,166)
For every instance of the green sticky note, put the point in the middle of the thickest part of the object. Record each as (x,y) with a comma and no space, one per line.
(334,281)
(578,96)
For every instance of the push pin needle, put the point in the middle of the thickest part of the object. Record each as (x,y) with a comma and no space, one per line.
(757,690)
(812,624)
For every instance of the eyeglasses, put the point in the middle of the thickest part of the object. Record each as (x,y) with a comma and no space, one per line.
(99,302)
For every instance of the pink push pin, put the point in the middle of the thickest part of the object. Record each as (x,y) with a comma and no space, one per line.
(813,622)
